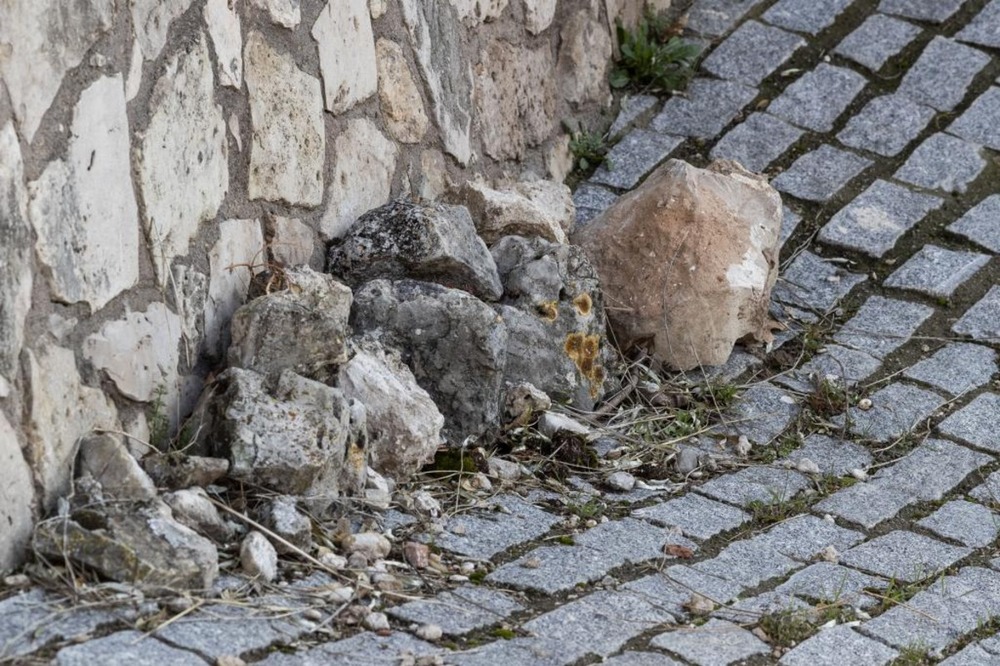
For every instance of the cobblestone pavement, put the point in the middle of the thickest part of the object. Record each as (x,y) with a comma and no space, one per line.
(872,535)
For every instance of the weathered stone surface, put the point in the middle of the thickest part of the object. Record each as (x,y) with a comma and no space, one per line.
(362,176)
(696,516)
(975,423)
(943,73)
(515,98)
(633,157)
(957,368)
(234,259)
(538,14)
(17,498)
(705,111)
(934,11)
(592,200)
(294,242)
(756,142)
(404,239)
(176,471)
(433,30)
(455,344)
(506,521)
(42,41)
(543,209)
(192,507)
(983,29)
(74,199)
(886,125)
(820,174)
(346,54)
(404,424)
(258,558)
(151,20)
(838,645)
(752,53)
(15,255)
(816,99)
(479,11)
(714,18)
(132,647)
(283,12)
(553,309)
(303,327)
(402,105)
(981,121)
(283,517)
(762,413)
(832,583)
(982,321)
(835,457)
(584,55)
(937,271)
(943,162)
(882,325)
(460,611)
(810,16)
(223,23)
(105,458)
(877,40)
(770,485)
(970,524)
(896,410)
(289,139)
(810,282)
(715,642)
(734,253)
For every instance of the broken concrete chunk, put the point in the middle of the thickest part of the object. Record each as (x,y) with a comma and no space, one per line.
(528,209)
(105,458)
(689,259)
(404,239)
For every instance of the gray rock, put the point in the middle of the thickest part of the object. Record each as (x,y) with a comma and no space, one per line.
(904,556)
(404,239)
(553,308)
(708,106)
(258,558)
(530,208)
(817,98)
(283,518)
(979,224)
(633,107)
(882,325)
(715,642)
(957,368)
(302,328)
(886,125)
(839,364)
(805,536)
(811,16)
(620,481)
(461,611)
(455,344)
(770,485)
(877,40)
(752,53)
(934,11)
(756,142)
(633,157)
(762,413)
(697,517)
(970,524)
(942,74)
(748,563)
(552,569)
(819,175)
(590,201)
(933,618)
(943,162)
(631,541)
(126,647)
(976,423)
(980,123)
(175,470)
(507,521)
(981,322)
(982,29)
(896,410)
(714,18)
(193,508)
(936,271)
(106,459)
(832,583)
(838,645)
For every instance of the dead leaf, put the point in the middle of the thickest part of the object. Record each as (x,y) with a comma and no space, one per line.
(677,550)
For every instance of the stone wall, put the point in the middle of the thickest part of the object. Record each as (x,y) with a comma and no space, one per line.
(155,154)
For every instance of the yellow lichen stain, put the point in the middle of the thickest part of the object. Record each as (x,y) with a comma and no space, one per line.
(584,350)
(583,304)
(549,310)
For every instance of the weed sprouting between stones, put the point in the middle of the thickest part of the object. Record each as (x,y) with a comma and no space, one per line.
(653,57)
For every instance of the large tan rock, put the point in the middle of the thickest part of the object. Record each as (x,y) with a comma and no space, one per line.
(687,261)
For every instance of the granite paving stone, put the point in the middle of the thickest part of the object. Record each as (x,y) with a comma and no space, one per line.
(591,200)
(551,569)
(981,121)
(970,524)
(882,325)
(866,504)
(632,108)
(956,368)
(246,629)
(896,409)
(972,655)
(810,16)
(877,40)
(672,596)
(886,125)
(460,611)
(988,492)
(944,163)
(982,321)
(979,581)
(706,108)
(820,174)
(697,517)
(831,583)
(991,644)
(718,590)
(937,271)
(483,534)
(875,220)
(834,457)
(756,142)
(633,157)
(790,221)
(748,563)
(751,610)
(762,413)
(803,536)
(528,651)
(932,11)
(631,541)
(904,556)
(737,364)
(752,53)
(761,484)
(364,649)
(836,646)
(126,647)
(976,423)
(641,659)
(835,363)
(932,620)
(812,283)
(714,18)
(715,643)
(981,224)
(817,98)
(942,74)
(984,29)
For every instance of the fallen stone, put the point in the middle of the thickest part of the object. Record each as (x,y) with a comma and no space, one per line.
(531,209)
(377,622)
(370,544)
(429,632)
(193,508)
(343,33)
(258,558)
(404,239)
(551,423)
(621,481)
(525,400)
(106,459)
(178,471)
(506,470)
(417,554)
(284,519)
(402,105)
(692,278)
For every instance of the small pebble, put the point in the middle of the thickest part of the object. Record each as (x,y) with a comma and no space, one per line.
(864,404)
(743,446)
(371,544)
(458,578)
(424,503)
(376,622)
(828,554)
(417,554)
(333,561)
(621,481)
(807,466)
(468,567)
(178,604)
(16,580)
(313,614)
(357,561)
(258,557)
(859,474)
(229,660)
(429,632)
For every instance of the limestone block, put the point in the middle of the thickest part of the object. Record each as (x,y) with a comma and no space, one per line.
(478,11)
(223,23)
(431,180)
(689,259)
(17,497)
(15,255)
(402,106)
(289,139)
(193,508)
(538,14)
(183,182)
(436,35)
(377,8)
(293,242)
(139,353)
(343,32)
(41,40)
(283,12)
(151,20)
(107,460)
(190,294)
(583,60)
(83,208)
(540,209)
(362,175)
(235,258)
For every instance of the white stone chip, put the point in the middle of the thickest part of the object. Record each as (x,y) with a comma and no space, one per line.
(539,14)
(283,12)
(258,557)
(223,23)
(343,32)
(402,105)
(133,80)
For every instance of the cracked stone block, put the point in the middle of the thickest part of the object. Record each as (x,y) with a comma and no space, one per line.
(882,325)
(756,142)
(943,162)
(820,174)
(632,108)
(983,28)
(932,11)
(812,283)
(817,98)
(803,536)
(875,220)
(552,569)
(896,409)
(930,619)
(942,74)
(590,201)
(810,16)
(364,648)
(976,423)
(748,563)
(714,18)
(980,123)
(762,413)
(133,647)
(980,224)
(836,363)
(790,221)
(838,645)
(762,484)
(904,556)
(704,110)
(936,271)
(831,583)
(633,157)
(715,642)
(982,321)
(968,523)
(484,534)
(886,125)
(460,611)
(877,40)
(957,368)
(834,457)
(752,53)
(697,517)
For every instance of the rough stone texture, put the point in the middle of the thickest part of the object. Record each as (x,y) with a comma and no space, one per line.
(896,409)
(515,99)
(630,658)
(762,413)
(809,16)
(877,40)
(286,112)
(697,517)
(934,11)
(479,11)
(453,342)
(980,123)
(398,92)
(790,221)
(756,142)
(882,325)
(970,524)
(105,458)
(632,108)
(714,18)
(484,533)
(837,363)
(886,125)
(284,518)
(361,178)
(715,642)
(365,648)
(460,611)
(957,368)
(751,53)
(285,13)
(543,209)
(838,645)
(315,306)
(979,224)
(582,64)
(17,498)
(934,619)
(983,28)
(903,556)
(936,271)
(834,457)
(820,174)
(223,22)
(71,202)
(404,425)
(981,322)
(708,106)
(811,282)
(293,243)
(769,485)
(943,162)
(553,569)
(875,220)
(804,537)
(258,558)
(684,330)
(633,157)
(539,14)
(343,32)
(131,647)
(234,259)
(15,256)
(832,583)
(193,508)
(943,73)
(817,98)
(975,423)
(748,563)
